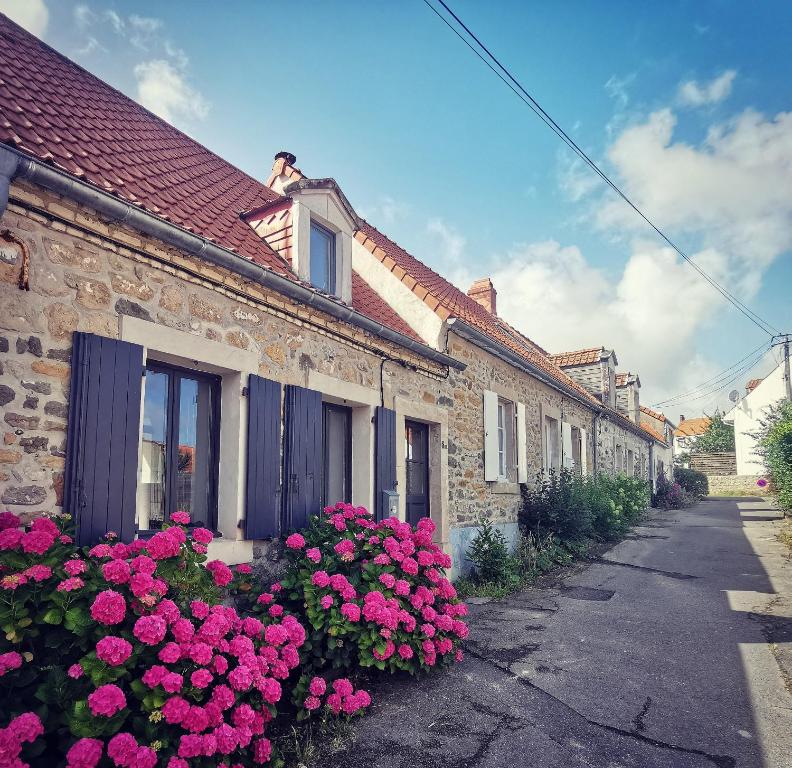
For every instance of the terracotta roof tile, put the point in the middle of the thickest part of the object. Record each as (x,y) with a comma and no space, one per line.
(653,432)
(578,357)
(56,111)
(449,301)
(367,301)
(753,384)
(692,427)
(654,414)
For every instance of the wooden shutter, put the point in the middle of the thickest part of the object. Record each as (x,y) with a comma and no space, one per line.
(583,452)
(302,456)
(102,439)
(522,445)
(567,460)
(263,489)
(384,458)
(491,454)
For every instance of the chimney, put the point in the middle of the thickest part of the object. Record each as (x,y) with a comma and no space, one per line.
(681,418)
(483,292)
(283,172)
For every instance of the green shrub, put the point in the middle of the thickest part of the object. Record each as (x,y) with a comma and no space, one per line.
(692,481)
(669,494)
(557,503)
(490,555)
(775,445)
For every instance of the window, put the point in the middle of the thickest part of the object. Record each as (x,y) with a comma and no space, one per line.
(577,449)
(619,459)
(337,453)
(630,463)
(507,442)
(323,258)
(179,451)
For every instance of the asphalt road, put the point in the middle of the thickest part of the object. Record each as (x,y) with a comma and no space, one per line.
(674,650)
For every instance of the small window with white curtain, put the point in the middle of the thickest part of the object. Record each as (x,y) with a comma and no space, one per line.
(507,442)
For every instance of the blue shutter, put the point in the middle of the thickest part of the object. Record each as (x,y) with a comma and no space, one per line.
(102,436)
(384,458)
(302,456)
(262,493)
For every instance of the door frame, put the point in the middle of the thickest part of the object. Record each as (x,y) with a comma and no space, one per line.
(347,411)
(425,430)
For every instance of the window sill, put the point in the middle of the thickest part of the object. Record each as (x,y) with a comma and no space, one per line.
(505,487)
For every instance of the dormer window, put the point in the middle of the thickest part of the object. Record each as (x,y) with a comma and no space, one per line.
(323,258)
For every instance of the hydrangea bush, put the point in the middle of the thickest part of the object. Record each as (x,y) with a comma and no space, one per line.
(372,594)
(125,655)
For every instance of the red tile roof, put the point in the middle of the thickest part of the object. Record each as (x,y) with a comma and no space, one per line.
(578,357)
(753,384)
(60,113)
(692,427)
(448,301)
(621,379)
(653,432)
(368,302)
(654,414)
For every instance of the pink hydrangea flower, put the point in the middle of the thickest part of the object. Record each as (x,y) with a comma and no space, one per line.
(326,601)
(122,749)
(113,650)
(163,544)
(108,607)
(38,573)
(75,671)
(182,630)
(71,584)
(74,567)
(240,678)
(10,538)
(262,750)
(9,520)
(221,573)
(37,542)
(345,549)
(313,554)
(295,541)
(388,579)
(85,753)
(405,651)
(202,535)
(317,686)
(170,653)
(311,703)
(9,661)
(351,611)
(117,571)
(244,568)
(150,630)
(180,518)
(320,579)
(175,710)
(201,678)
(143,564)
(107,700)
(342,686)
(26,727)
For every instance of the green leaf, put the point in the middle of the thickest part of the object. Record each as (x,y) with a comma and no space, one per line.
(53,616)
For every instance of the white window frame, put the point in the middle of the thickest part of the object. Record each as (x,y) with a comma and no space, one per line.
(505,440)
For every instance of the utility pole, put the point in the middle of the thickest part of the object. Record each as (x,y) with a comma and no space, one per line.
(784,339)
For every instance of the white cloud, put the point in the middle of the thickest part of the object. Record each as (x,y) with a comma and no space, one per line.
(385,212)
(448,243)
(695,94)
(162,88)
(731,192)
(33,15)
(616,88)
(142,30)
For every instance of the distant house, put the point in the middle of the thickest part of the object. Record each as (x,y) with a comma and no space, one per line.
(747,414)
(688,432)
(659,425)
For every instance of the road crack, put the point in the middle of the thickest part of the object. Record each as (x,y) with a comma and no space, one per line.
(669,574)
(721,761)
(639,721)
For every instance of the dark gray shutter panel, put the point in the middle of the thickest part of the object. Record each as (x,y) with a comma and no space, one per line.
(302,456)
(384,458)
(102,436)
(262,494)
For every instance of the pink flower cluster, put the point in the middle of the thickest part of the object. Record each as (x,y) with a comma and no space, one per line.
(404,595)
(24,729)
(340,697)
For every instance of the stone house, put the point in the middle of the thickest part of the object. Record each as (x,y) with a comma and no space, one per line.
(663,428)
(177,334)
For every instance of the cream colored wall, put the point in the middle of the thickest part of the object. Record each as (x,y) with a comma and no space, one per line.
(398,296)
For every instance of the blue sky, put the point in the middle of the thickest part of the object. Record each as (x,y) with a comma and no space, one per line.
(686,104)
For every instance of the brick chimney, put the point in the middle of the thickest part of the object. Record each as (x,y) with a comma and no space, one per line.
(681,418)
(483,292)
(283,172)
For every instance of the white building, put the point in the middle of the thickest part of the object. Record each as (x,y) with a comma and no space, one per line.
(746,416)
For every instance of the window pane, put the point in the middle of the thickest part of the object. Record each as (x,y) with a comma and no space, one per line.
(337,442)
(194,459)
(322,259)
(151,482)
(416,460)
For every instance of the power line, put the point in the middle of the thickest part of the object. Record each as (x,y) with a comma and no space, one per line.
(711,381)
(515,86)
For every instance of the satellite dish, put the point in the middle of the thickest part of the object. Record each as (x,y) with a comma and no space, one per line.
(734,395)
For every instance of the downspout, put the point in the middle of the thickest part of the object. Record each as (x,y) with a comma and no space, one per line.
(594,443)
(16,165)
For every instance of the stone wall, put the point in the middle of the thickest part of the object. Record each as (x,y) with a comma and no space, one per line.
(610,433)
(735,485)
(85,275)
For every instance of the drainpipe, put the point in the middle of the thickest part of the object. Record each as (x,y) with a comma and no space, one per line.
(16,165)
(594,441)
